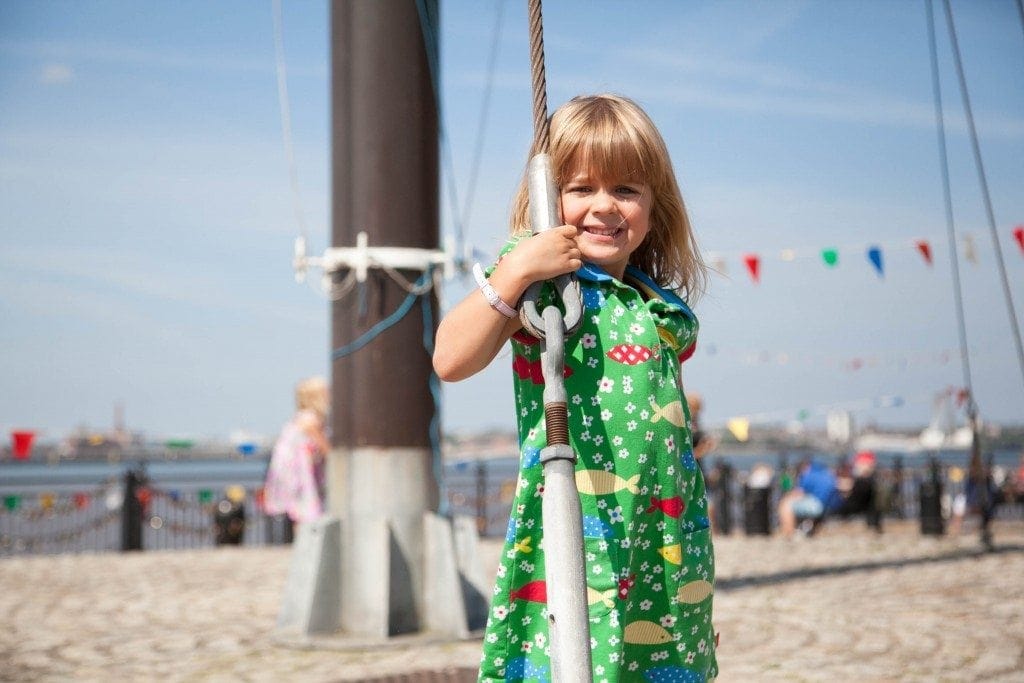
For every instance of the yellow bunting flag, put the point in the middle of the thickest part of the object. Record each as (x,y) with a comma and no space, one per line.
(970,251)
(739,427)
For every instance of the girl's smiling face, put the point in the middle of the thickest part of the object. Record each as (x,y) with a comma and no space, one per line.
(612,215)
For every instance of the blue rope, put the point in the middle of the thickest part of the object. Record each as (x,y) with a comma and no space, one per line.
(435,422)
(433,382)
(384,324)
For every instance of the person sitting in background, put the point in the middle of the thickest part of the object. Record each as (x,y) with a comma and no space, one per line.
(859,491)
(814,496)
(295,476)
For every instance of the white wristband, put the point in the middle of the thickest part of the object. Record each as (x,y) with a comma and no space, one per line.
(492,296)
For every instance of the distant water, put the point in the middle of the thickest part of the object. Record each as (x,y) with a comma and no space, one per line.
(32,477)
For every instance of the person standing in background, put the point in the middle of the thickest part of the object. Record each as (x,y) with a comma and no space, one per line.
(295,477)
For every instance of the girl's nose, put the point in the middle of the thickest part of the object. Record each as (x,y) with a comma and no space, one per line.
(604,202)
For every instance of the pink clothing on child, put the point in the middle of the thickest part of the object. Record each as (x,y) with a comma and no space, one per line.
(295,478)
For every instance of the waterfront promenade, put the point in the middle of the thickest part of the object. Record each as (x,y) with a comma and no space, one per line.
(846,605)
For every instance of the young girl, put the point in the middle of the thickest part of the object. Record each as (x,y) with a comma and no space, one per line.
(649,561)
(295,476)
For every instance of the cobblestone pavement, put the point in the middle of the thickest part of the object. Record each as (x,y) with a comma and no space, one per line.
(846,605)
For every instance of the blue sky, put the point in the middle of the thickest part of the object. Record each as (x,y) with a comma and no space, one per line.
(147,217)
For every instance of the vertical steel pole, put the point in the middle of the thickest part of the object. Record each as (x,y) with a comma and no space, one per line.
(565,569)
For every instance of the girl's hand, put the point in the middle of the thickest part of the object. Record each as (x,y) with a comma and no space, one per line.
(542,256)
(472,333)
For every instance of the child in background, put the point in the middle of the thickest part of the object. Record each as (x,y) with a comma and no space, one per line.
(649,559)
(295,476)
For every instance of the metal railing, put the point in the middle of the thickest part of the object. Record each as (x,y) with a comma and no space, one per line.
(134,511)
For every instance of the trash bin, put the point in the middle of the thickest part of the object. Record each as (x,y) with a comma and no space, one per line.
(229,522)
(756,507)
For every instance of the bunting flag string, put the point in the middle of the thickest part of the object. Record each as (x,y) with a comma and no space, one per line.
(898,360)
(50,504)
(830,256)
(739,425)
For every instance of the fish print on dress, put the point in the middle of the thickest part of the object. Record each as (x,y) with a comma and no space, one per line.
(673,507)
(649,561)
(533,370)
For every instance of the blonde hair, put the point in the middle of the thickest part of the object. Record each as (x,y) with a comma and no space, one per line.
(612,137)
(311,394)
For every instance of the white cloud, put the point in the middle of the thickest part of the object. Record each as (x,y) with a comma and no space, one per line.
(56,74)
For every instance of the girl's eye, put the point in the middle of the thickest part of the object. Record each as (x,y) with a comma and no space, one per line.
(625,189)
(578,189)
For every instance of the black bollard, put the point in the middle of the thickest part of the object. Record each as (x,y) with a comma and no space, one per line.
(756,511)
(930,501)
(132,510)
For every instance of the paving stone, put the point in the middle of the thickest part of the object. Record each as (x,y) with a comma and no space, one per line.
(844,605)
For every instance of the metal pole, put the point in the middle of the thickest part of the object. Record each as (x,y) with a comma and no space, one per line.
(568,616)
(384,182)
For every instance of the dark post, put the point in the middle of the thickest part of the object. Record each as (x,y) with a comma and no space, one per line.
(930,498)
(131,511)
(898,499)
(384,182)
(979,481)
(723,504)
(481,497)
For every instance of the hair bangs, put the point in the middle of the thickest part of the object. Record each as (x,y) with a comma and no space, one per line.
(601,141)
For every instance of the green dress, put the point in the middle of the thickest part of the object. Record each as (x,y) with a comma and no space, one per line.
(649,558)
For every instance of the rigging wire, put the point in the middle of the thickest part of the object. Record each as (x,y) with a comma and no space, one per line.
(485,106)
(538,79)
(984,187)
(286,120)
(1020,11)
(965,360)
(430,44)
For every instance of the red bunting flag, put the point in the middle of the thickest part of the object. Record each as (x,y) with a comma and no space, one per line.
(22,443)
(1018,234)
(925,249)
(753,262)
